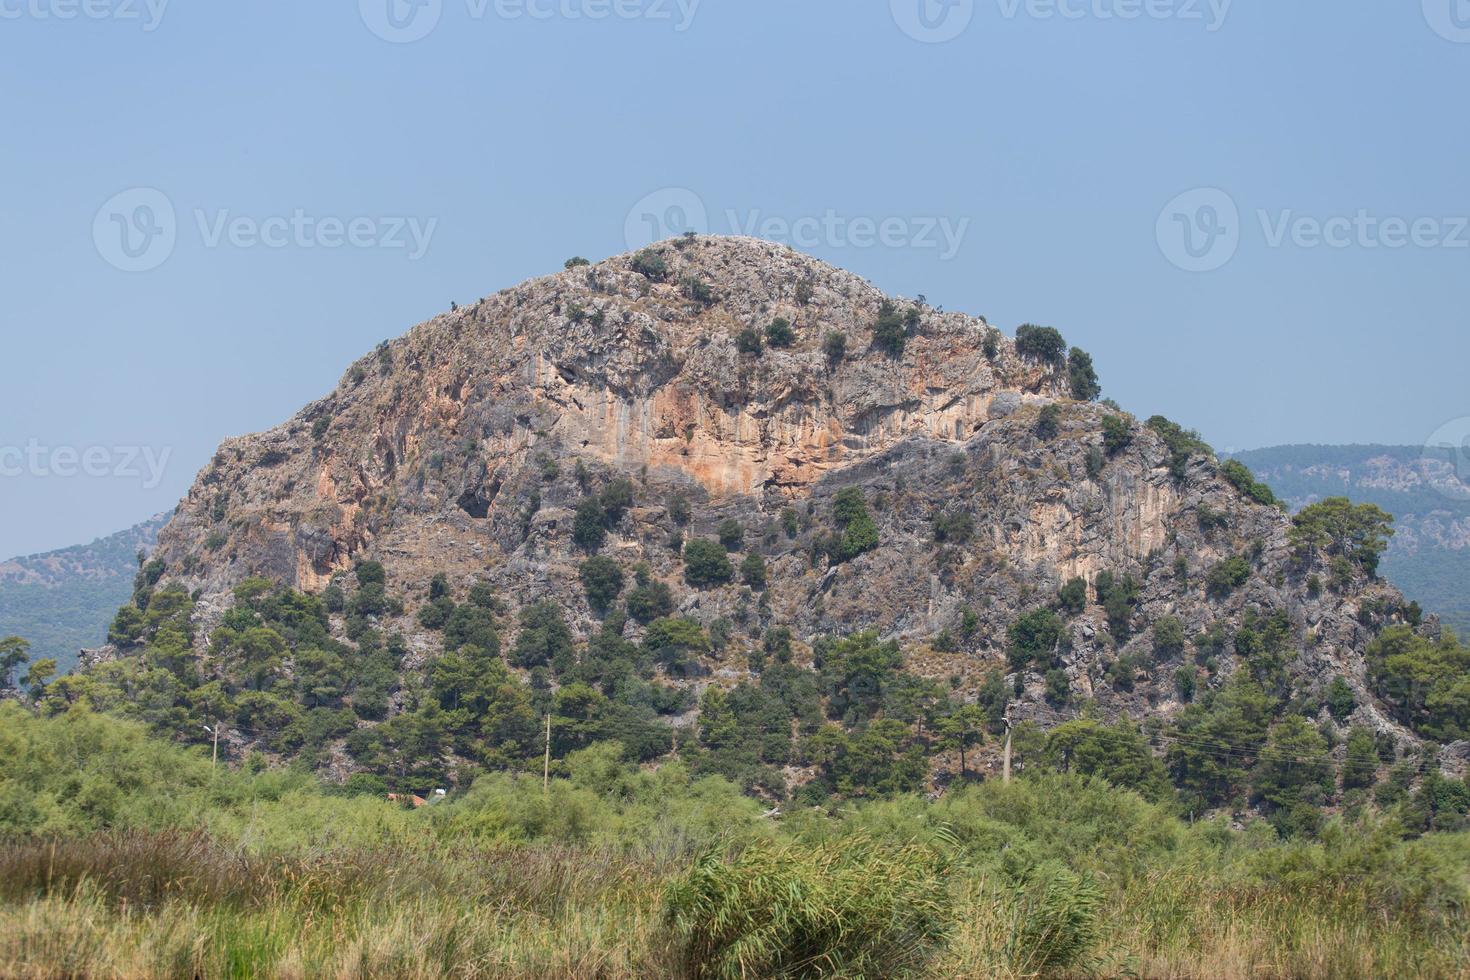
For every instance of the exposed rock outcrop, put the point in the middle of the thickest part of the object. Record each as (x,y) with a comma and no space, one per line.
(465,447)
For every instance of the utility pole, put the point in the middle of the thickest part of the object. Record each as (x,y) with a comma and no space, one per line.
(546,771)
(1006,757)
(214,757)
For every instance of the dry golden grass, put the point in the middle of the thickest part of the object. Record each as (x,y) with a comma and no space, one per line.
(143,906)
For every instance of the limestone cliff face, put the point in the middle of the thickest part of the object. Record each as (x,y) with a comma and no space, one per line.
(600,364)
(465,446)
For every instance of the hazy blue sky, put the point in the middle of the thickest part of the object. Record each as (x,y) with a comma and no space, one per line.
(1052,141)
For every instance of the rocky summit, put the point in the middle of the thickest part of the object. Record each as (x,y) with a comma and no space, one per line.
(735,391)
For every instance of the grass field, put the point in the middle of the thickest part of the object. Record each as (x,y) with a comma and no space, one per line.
(122,856)
(834,902)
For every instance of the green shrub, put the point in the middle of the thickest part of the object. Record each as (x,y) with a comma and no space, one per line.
(697,290)
(679,510)
(471,625)
(1117,434)
(1168,637)
(673,641)
(779,333)
(1048,422)
(650,598)
(1182,444)
(1340,529)
(889,332)
(1094,462)
(1294,768)
(1340,699)
(589,524)
(851,908)
(1034,638)
(1056,920)
(954,526)
(544,638)
(749,341)
(616,499)
(706,564)
(82,772)
(1041,343)
(1117,596)
(1123,672)
(1058,687)
(1424,680)
(575,261)
(1081,376)
(1239,476)
(1186,682)
(651,265)
(753,571)
(731,534)
(1360,767)
(1225,577)
(834,346)
(1072,596)
(603,581)
(1211,519)
(856,532)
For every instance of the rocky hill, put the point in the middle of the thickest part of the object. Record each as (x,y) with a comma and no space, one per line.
(1423,487)
(63,600)
(708,444)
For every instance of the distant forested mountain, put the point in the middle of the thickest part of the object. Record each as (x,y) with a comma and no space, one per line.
(63,600)
(1425,489)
